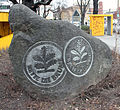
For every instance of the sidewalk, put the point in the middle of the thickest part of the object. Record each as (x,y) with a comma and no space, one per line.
(112,41)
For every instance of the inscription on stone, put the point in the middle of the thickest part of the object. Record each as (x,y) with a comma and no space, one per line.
(43,64)
(78,56)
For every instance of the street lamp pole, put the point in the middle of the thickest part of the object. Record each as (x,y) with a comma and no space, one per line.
(118,11)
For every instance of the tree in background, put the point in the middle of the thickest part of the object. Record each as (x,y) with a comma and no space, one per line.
(95,6)
(32,4)
(83,5)
(46,11)
(59,6)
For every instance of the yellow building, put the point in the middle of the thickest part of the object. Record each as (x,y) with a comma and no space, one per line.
(5,32)
(4,25)
(97,24)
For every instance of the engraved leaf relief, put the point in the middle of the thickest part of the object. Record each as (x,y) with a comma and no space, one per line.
(43,64)
(44,61)
(80,55)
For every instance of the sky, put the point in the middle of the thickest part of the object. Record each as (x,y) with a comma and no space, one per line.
(107,4)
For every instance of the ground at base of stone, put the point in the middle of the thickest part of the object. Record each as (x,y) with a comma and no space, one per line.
(103,96)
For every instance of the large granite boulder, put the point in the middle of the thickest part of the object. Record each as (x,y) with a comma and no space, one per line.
(54,59)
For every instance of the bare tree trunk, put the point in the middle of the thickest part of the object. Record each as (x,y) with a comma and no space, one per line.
(83,5)
(59,12)
(44,13)
(95,6)
(82,19)
(39,10)
(30,4)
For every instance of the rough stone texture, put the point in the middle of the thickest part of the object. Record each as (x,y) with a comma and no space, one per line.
(54,59)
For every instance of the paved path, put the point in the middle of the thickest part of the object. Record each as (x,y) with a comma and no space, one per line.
(111,41)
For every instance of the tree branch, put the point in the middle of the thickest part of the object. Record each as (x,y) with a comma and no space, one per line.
(84,2)
(42,3)
(87,5)
(14,1)
(83,8)
(80,6)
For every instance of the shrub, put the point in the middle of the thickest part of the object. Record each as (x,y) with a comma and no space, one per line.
(85,28)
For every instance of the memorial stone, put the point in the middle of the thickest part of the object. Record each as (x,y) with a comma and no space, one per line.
(54,59)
